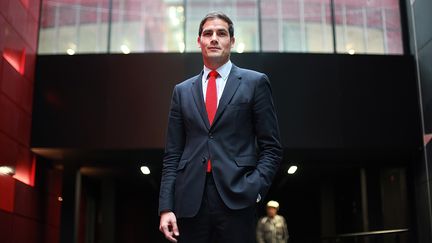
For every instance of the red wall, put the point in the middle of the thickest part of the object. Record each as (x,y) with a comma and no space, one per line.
(29,208)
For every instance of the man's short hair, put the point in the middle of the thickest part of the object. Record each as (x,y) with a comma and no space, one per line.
(217,15)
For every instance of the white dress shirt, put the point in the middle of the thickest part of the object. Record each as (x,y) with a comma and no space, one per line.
(223,73)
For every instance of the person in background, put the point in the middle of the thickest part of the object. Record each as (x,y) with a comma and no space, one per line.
(272,228)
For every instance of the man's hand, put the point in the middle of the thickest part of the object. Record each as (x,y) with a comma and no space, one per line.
(168,226)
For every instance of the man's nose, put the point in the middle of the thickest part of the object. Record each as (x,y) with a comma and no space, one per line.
(214,36)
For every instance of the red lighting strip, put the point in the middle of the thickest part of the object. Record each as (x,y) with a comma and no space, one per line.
(16,58)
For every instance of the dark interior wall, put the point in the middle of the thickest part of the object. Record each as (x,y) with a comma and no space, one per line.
(420,35)
(323,101)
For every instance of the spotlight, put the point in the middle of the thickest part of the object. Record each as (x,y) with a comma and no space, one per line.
(145,170)
(125,49)
(70,51)
(292,169)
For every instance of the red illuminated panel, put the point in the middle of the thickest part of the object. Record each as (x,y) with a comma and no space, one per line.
(25,168)
(16,58)
(25,3)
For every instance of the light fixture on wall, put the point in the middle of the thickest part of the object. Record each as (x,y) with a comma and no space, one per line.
(7,170)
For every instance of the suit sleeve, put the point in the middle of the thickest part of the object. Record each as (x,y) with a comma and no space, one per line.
(175,140)
(267,134)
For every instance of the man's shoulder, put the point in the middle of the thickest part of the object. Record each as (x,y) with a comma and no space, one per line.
(279,217)
(263,219)
(251,75)
(188,82)
(249,72)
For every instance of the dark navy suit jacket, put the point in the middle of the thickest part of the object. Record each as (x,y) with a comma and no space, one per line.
(243,144)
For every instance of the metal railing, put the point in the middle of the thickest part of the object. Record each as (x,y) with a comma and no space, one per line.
(379,236)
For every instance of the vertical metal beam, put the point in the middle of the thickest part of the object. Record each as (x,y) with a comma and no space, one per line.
(56,28)
(77,24)
(365,30)
(109,26)
(99,25)
(333,23)
(384,26)
(422,118)
(184,24)
(259,27)
(71,192)
(364,202)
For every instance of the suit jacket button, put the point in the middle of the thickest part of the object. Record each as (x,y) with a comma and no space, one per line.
(210,135)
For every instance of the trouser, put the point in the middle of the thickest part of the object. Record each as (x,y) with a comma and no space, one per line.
(216,223)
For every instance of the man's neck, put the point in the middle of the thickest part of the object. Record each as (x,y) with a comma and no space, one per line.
(215,65)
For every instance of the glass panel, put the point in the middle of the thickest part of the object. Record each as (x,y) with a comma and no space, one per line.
(296,26)
(243,13)
(368,26)
(73,26)
(147,26)
(82,26)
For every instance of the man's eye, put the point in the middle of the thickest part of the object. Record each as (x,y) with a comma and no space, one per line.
(222,33)
(207,34)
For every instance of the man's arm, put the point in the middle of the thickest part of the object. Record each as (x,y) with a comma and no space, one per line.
(175,140)
(259,232)
(267,133)
(285,229)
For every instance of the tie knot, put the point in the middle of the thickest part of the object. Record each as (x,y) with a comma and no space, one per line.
(213,73)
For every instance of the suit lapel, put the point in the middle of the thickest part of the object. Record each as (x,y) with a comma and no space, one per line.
(231,86)
(197,93)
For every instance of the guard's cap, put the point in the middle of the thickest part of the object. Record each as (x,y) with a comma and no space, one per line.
(273,204)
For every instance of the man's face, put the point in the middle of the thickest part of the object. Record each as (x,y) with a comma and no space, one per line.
(271,212)
(215,43)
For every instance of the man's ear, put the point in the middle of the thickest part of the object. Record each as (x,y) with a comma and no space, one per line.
(232,41)
(199,42)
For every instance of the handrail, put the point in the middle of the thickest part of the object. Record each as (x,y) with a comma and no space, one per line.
(368,233)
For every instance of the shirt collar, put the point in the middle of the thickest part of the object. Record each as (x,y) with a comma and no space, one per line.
(223,70)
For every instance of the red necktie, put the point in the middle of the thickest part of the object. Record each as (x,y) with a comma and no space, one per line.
(211,102)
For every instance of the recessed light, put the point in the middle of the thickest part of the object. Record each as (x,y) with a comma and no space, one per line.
(145,170)
(292,169)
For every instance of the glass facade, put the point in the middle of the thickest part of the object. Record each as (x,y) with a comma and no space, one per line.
(125,26)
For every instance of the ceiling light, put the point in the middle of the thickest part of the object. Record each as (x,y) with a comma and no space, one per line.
(292,169)
(181,47)
(70,51)
(241,47)
(125,49)
(145,170)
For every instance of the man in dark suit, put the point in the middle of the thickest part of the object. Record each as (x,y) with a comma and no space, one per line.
(222,147)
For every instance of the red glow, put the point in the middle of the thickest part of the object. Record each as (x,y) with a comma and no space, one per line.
(16,58)
(25,170)
(25,3)
(427,138)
